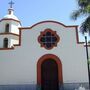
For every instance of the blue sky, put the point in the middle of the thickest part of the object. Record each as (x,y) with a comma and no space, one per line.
(30,12)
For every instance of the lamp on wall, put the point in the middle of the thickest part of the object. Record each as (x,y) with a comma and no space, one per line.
(86,45)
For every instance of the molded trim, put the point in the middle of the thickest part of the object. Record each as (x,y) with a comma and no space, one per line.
(11,19)
(8,33)
(58,61)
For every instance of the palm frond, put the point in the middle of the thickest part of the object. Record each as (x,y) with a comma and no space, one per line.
(83,10)
(78,13)
(87,8)
(85,26)
(83,3)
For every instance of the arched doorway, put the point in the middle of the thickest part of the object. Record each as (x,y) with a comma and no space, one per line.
(49,72)
(49,75)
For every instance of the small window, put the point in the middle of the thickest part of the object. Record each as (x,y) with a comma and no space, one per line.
(48,39)
(5,43)
(7,28)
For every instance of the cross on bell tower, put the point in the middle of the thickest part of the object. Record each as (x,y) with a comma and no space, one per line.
(11,3)
(11,7)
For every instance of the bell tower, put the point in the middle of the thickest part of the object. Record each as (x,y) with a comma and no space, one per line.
(9,29)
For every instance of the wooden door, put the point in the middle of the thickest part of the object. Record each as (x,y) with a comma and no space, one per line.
(49,75)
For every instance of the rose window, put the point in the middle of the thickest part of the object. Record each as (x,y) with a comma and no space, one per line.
(48,39)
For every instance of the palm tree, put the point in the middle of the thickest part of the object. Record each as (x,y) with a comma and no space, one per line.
(83,10)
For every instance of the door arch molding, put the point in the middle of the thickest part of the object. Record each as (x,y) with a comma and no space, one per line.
(44,58)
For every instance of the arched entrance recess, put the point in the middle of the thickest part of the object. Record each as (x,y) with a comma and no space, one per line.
(49,60)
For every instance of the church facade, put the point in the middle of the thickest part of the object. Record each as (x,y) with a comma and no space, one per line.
(44,56)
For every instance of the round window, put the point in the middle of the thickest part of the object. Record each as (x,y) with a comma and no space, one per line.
(48,39)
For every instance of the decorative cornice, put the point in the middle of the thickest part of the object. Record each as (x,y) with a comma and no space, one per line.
(9,34)
(49,21)
(10,19)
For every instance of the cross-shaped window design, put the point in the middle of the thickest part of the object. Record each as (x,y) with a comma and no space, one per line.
(48,39)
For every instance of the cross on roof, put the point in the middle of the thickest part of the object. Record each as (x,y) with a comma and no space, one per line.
(11,3)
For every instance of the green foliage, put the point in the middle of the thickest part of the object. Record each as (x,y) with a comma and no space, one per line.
(83,3)
(78,13)
(85,26)
(83,10)
(87,8)
(89,61)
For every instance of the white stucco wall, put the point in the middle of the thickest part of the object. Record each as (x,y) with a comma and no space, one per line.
(13,26)
(10,38)
(2,25)
(13,42)
(19,66)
